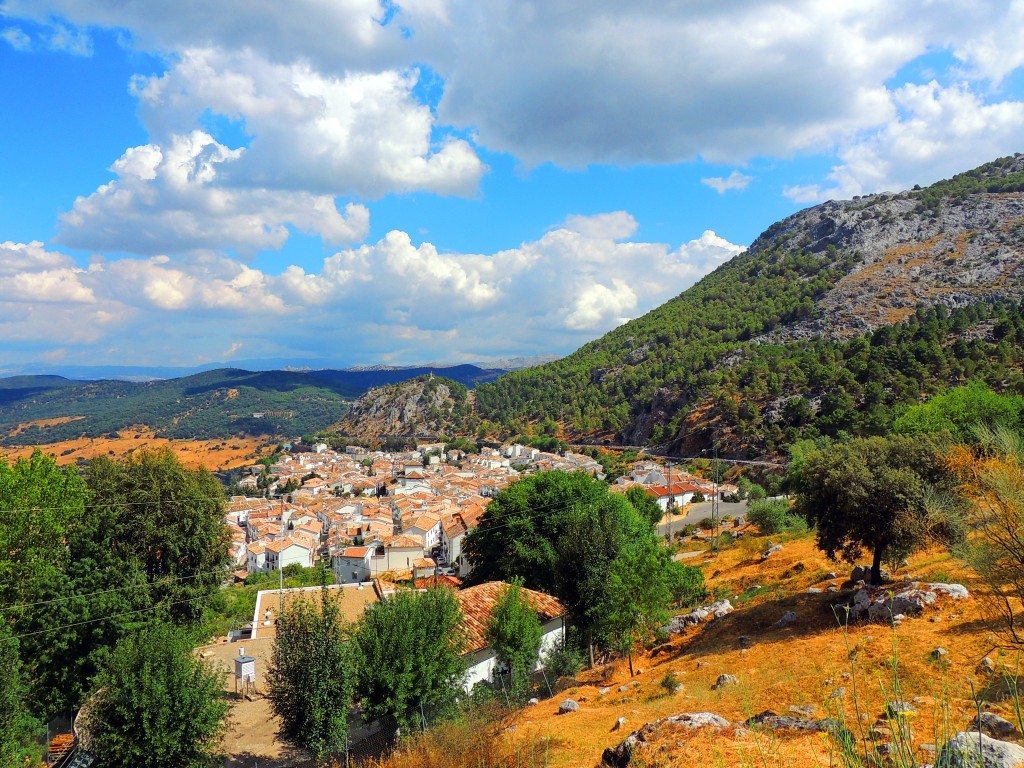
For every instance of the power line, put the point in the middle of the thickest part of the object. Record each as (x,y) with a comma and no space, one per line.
(146,585)
(106,618)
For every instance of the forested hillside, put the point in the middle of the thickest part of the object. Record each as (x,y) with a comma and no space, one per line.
(834,319)
(214,404)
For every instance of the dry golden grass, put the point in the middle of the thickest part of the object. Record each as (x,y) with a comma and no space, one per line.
(802,664)
(42,423)
(208,454)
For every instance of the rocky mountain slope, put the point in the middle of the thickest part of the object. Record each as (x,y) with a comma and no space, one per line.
(834,319)
(426,405)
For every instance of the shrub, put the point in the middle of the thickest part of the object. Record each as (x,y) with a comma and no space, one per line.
(686,584)
(564,659)
(669,682)
(774,516)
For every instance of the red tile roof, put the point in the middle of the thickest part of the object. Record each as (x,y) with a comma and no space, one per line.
(432,582)
(478,602)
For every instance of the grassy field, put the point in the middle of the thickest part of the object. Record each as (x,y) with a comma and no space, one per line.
(209,454)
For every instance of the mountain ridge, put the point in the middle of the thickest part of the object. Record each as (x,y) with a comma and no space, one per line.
(780,327)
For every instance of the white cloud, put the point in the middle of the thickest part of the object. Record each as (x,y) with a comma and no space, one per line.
(611,226)
(16,38)
(337,35)
(721,185)
(326,91)
(169,199)
(392,299)
(70,40)
(357,133)
(939,132)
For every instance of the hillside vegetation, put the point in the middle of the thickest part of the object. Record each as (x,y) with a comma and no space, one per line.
(38,410)
(834,319)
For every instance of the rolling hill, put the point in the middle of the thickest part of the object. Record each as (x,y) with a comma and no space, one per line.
(832,321)
(211,404)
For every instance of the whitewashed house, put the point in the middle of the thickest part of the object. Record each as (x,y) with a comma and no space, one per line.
(478,602)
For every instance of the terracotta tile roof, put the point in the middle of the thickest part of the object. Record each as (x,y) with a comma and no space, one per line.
(406,540)
(477,602)
(432,582)
(424,562)
(359,552)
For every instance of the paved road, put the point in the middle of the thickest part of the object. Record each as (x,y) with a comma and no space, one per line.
(698,512)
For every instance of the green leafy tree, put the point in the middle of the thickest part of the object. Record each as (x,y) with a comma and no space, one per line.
(644,504)
(514,632)
(870,493)
(773,516)
(410,654)
(151,543)
(40,503)
(311,677)
(560,533)
(961,409)
(638,597)
(157,705)
(172,520)
(16,724)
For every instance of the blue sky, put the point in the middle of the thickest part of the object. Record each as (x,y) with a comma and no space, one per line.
(446,180)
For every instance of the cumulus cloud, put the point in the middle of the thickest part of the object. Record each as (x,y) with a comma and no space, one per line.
(939,131)
(170,199)
(602,82)
(722,184)
(357,133)
(389,300)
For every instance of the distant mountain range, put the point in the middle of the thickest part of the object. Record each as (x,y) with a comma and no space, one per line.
(152,372)
(217,403)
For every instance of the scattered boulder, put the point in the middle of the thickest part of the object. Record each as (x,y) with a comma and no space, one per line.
(604,690)
(807,710)
(970,749)
(885,605)
(567,706)
(533,702)
(955,591)
(787,618)
(996,726)
(986,666)
(770,551)
(863,573)
(697,616)
(769,719)
(620,755)
(619,723)
(724,680)
(940,654)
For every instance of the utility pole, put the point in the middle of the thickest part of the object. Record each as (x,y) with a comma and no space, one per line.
(671,502)
(714,498)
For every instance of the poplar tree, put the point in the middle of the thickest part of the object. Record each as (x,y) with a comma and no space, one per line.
(311,676)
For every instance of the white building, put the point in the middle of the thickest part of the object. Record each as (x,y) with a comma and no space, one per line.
(478,602)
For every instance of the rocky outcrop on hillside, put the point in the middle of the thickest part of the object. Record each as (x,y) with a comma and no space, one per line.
(427,405)
(905,252)
(835,318)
